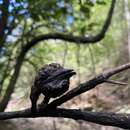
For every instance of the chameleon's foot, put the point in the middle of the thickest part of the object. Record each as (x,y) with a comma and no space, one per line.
(42,105)
(44,102)
(33,110)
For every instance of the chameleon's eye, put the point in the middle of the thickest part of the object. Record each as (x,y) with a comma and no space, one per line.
(65,83)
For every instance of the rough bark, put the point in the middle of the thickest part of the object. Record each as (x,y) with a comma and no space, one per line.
(102,118)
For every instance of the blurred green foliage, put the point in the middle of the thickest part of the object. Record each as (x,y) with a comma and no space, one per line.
(81,17)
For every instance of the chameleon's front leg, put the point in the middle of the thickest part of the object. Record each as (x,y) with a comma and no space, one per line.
(44,102)
(34,97)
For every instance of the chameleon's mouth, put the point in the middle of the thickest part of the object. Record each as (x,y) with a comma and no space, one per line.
(66,73)
(61,74)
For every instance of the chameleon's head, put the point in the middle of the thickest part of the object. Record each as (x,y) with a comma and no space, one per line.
(57,81)
(57,72)
(51,68)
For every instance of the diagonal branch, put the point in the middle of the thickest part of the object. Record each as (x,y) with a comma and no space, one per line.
(88,85)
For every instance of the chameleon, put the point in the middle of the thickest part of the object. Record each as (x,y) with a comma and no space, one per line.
(52,80)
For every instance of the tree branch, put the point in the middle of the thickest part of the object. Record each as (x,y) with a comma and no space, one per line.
(102,118)
(88,85)
(76,39)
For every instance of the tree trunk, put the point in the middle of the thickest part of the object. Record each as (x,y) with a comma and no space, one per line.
(127,15)
(11,86)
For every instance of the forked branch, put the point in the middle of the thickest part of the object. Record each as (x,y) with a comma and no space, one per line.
(88,85)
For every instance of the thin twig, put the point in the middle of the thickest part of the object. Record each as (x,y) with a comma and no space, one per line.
(116,82)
